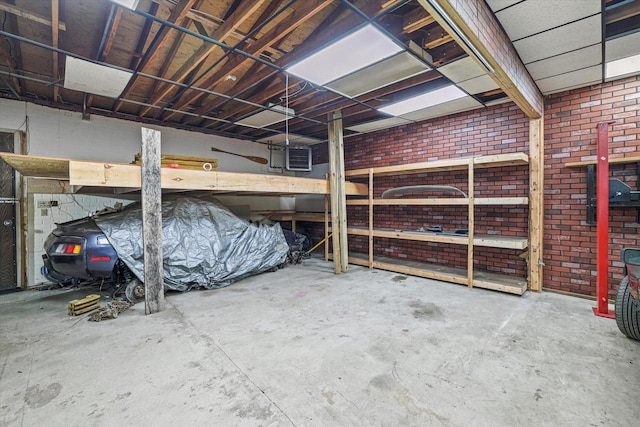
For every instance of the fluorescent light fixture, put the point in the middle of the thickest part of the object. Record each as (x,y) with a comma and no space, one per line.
(399,67)
(429,99)
(267,117)
(294,139)
(623,67)
(85,76)
(129,4)
(358,50)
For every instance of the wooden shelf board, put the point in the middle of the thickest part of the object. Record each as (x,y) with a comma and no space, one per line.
(42,167)
(442,201)
(482,279)
(296,216)
(483,240)
(497,160)
(629,159)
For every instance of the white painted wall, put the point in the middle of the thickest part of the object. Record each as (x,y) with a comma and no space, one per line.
(57,133)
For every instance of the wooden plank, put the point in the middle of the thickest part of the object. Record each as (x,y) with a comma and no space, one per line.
(44,167)
(370,218)
(416,19)
(152,222)
(338,192)
(470,227)
(48,186)
(536,203)
(498,160)
(486,280)
(118,175)
(24,13)
(485,240)
(442,201)
(623,160)
(326,225)
(621,12)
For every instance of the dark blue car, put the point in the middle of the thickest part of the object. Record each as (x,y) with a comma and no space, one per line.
(78,251)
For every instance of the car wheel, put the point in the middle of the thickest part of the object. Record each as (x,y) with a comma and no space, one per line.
(134,292)
(627,312)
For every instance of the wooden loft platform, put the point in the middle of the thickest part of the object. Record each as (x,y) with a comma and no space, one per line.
(127,176)
(480,162)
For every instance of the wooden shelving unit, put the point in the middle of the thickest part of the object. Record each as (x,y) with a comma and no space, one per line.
(468,276)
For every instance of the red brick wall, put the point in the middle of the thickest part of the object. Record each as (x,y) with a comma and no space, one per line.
(570,135)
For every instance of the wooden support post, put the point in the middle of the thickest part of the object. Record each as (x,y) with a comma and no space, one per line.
(152,222)
(338,193)
(536,202)
(326,226)
(371,218)
(470,226)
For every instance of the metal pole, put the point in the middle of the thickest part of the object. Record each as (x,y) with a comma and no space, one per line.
(602,200)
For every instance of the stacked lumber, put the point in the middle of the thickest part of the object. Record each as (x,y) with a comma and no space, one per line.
(182,162)
(84,305)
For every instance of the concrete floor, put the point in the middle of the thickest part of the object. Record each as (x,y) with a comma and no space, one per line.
(303,346)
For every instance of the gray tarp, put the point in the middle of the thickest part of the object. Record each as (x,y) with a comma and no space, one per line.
(204,244)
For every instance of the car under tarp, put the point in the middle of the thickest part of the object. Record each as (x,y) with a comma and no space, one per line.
(204,245)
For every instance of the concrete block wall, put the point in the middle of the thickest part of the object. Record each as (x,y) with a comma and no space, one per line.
(570,135)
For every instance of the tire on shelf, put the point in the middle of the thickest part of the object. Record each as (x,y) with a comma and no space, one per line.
(627,313)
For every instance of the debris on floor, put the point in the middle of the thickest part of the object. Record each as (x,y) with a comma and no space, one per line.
(84,305)
(110,311)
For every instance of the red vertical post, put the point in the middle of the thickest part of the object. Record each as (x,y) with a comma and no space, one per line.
(602,202)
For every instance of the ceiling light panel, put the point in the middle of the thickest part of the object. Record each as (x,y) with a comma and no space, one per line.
(294,139)
(358,50)
(429,99)
(85,76)
(129,4)
(623,67)
(384,73)
(267,117)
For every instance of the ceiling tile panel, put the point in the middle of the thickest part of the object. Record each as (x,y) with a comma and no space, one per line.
(478,84)
(518,23)
(570,61)
(577,35)
(574,79)
(497,5)
(622,47)
(461,70)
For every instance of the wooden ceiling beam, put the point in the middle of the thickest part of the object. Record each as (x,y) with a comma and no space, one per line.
(142,40)
(415,20)
(161,39)
(620,13)
(436,36)
(488,44)
(214,22)
(237,18)
(24,13)
(7,55)
(108,44)
(302,14)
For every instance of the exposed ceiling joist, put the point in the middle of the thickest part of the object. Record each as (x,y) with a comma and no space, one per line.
(416,20)
(35,17)
(237,18)
(619,13)
(302,14)
(161,39)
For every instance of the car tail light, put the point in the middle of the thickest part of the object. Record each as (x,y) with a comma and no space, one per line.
(100,258)
(67,249)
